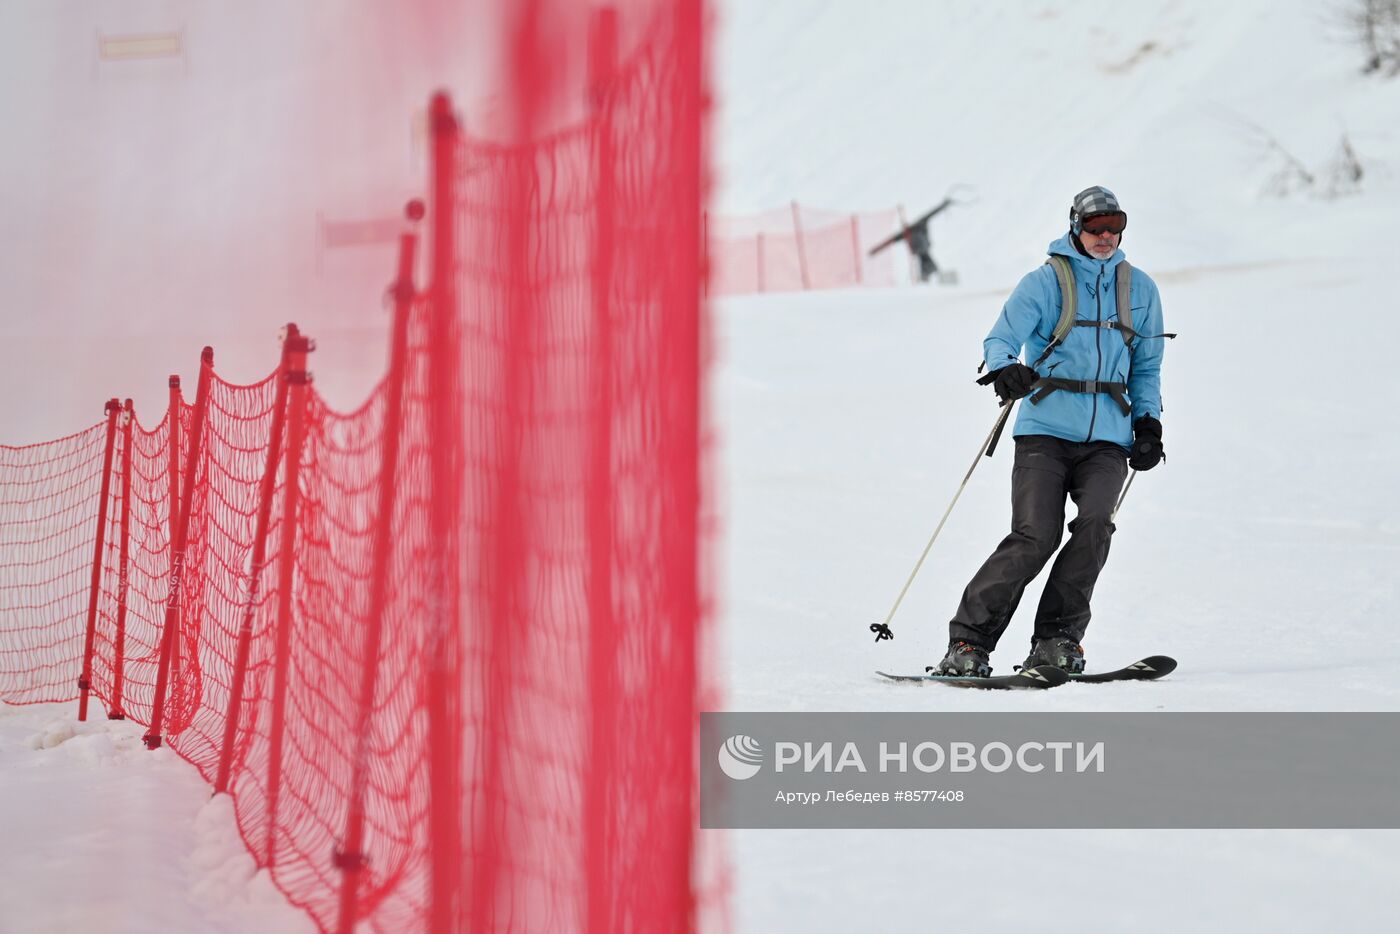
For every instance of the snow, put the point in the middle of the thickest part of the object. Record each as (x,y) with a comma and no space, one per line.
(1262,550)
(102,834)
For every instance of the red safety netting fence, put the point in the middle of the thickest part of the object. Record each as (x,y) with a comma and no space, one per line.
(442,650)
(799,247)
(49,501)
(579,505)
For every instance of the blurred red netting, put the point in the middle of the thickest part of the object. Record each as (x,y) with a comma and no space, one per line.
(442,650)
(799,248)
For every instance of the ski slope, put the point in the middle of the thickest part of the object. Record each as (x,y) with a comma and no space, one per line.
(1262,553)
(1266,542)
(1262,556)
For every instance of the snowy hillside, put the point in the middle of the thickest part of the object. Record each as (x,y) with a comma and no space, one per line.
(1263,550)
(851,104)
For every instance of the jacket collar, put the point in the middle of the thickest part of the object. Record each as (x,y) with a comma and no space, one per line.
(1084,265)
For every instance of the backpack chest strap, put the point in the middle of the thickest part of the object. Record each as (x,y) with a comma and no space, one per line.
(1049,384)
(1127,330)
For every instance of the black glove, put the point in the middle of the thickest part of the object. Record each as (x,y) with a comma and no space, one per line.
(1147,444)
(1014,381)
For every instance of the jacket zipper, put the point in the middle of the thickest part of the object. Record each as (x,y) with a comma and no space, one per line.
(1098,348)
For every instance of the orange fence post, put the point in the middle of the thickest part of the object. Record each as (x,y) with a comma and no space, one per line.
(683,329)
(602,629)
(801,247)
(706,270)
(175,438)
(118,711)
(855,245)
(297,381)
(760,262)
(85,676)
(179,536)
(291,341)
(349,857)
(443,675)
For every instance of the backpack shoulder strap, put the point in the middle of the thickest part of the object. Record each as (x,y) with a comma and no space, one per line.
(1125,302)
(1064,273)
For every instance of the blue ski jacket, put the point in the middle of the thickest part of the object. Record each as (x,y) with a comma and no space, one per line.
(1028,321)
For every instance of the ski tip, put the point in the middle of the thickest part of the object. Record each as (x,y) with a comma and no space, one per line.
(1146,669)
(1160,664)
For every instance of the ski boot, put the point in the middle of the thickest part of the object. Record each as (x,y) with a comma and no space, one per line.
(1059,652)
(963,660)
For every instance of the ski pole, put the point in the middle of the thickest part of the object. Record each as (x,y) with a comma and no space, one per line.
(1122,496)
(882,630)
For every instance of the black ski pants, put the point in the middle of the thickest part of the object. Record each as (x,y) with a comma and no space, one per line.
(1047,470)
(927,267)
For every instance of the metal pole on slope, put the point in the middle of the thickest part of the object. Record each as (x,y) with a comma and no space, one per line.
(882,630)
(1122,496)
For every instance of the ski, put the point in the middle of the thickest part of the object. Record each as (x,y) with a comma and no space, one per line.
(1149,669)
(1027,679)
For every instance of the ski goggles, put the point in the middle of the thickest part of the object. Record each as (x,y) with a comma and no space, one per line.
(1106,223)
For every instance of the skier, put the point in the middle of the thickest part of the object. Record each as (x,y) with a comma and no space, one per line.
(1093,412)
(916,236)
(921,245)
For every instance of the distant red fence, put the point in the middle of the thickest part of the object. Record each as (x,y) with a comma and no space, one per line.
(799,247)
(442,649)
